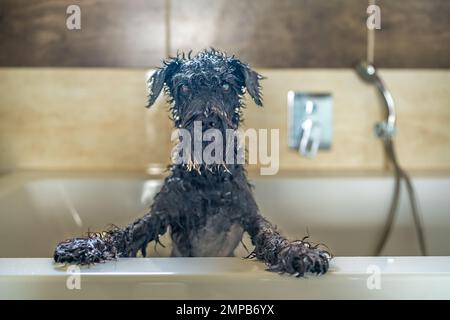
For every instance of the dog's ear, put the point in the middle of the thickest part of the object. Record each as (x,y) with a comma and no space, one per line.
(160,77)
(251,80)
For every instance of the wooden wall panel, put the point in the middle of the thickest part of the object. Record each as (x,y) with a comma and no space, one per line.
(113,33)
(275,33)
(266,33)
(414,34)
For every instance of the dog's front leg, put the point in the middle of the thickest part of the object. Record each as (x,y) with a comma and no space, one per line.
(117,242)
(282,255)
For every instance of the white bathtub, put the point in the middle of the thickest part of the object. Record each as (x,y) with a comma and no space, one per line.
(225,278)
(37,210)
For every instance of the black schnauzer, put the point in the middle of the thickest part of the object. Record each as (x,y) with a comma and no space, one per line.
(207,207)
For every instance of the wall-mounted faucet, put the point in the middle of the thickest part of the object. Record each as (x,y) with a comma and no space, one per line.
(309,122)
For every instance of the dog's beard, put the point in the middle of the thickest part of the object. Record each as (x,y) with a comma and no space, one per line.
(212,149)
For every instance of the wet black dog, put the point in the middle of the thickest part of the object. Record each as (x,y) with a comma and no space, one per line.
(207,207)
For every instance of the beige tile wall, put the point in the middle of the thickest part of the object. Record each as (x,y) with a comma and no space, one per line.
(423,99)
(94,119)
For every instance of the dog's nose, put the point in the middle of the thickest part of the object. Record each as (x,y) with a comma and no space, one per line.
(210,123)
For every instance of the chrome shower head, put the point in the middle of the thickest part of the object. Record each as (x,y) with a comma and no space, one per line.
(368,73)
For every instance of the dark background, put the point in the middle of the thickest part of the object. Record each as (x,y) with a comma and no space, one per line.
(265,33)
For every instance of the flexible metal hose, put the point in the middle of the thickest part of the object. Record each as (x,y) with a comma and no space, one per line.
(399,175)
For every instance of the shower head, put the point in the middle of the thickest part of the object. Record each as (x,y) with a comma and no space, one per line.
(367,72)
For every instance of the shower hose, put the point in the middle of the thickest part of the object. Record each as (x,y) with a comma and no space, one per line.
(400,175)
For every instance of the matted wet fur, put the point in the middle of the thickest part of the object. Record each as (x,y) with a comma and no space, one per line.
(207,207)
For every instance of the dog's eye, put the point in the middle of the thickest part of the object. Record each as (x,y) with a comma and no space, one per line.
(185,89)
(226,87)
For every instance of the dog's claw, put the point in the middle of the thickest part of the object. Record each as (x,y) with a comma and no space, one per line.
(299,259)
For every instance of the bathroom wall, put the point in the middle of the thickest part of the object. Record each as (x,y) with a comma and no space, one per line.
(266,33)
(95,119)
(74,99)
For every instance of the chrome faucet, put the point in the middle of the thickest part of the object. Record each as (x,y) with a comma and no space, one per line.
(309,133)
(309,122)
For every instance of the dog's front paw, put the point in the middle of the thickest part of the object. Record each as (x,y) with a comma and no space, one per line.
(84,251)
(299,258)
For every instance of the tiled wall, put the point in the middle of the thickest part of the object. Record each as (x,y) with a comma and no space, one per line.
(266,33)
(95,119)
